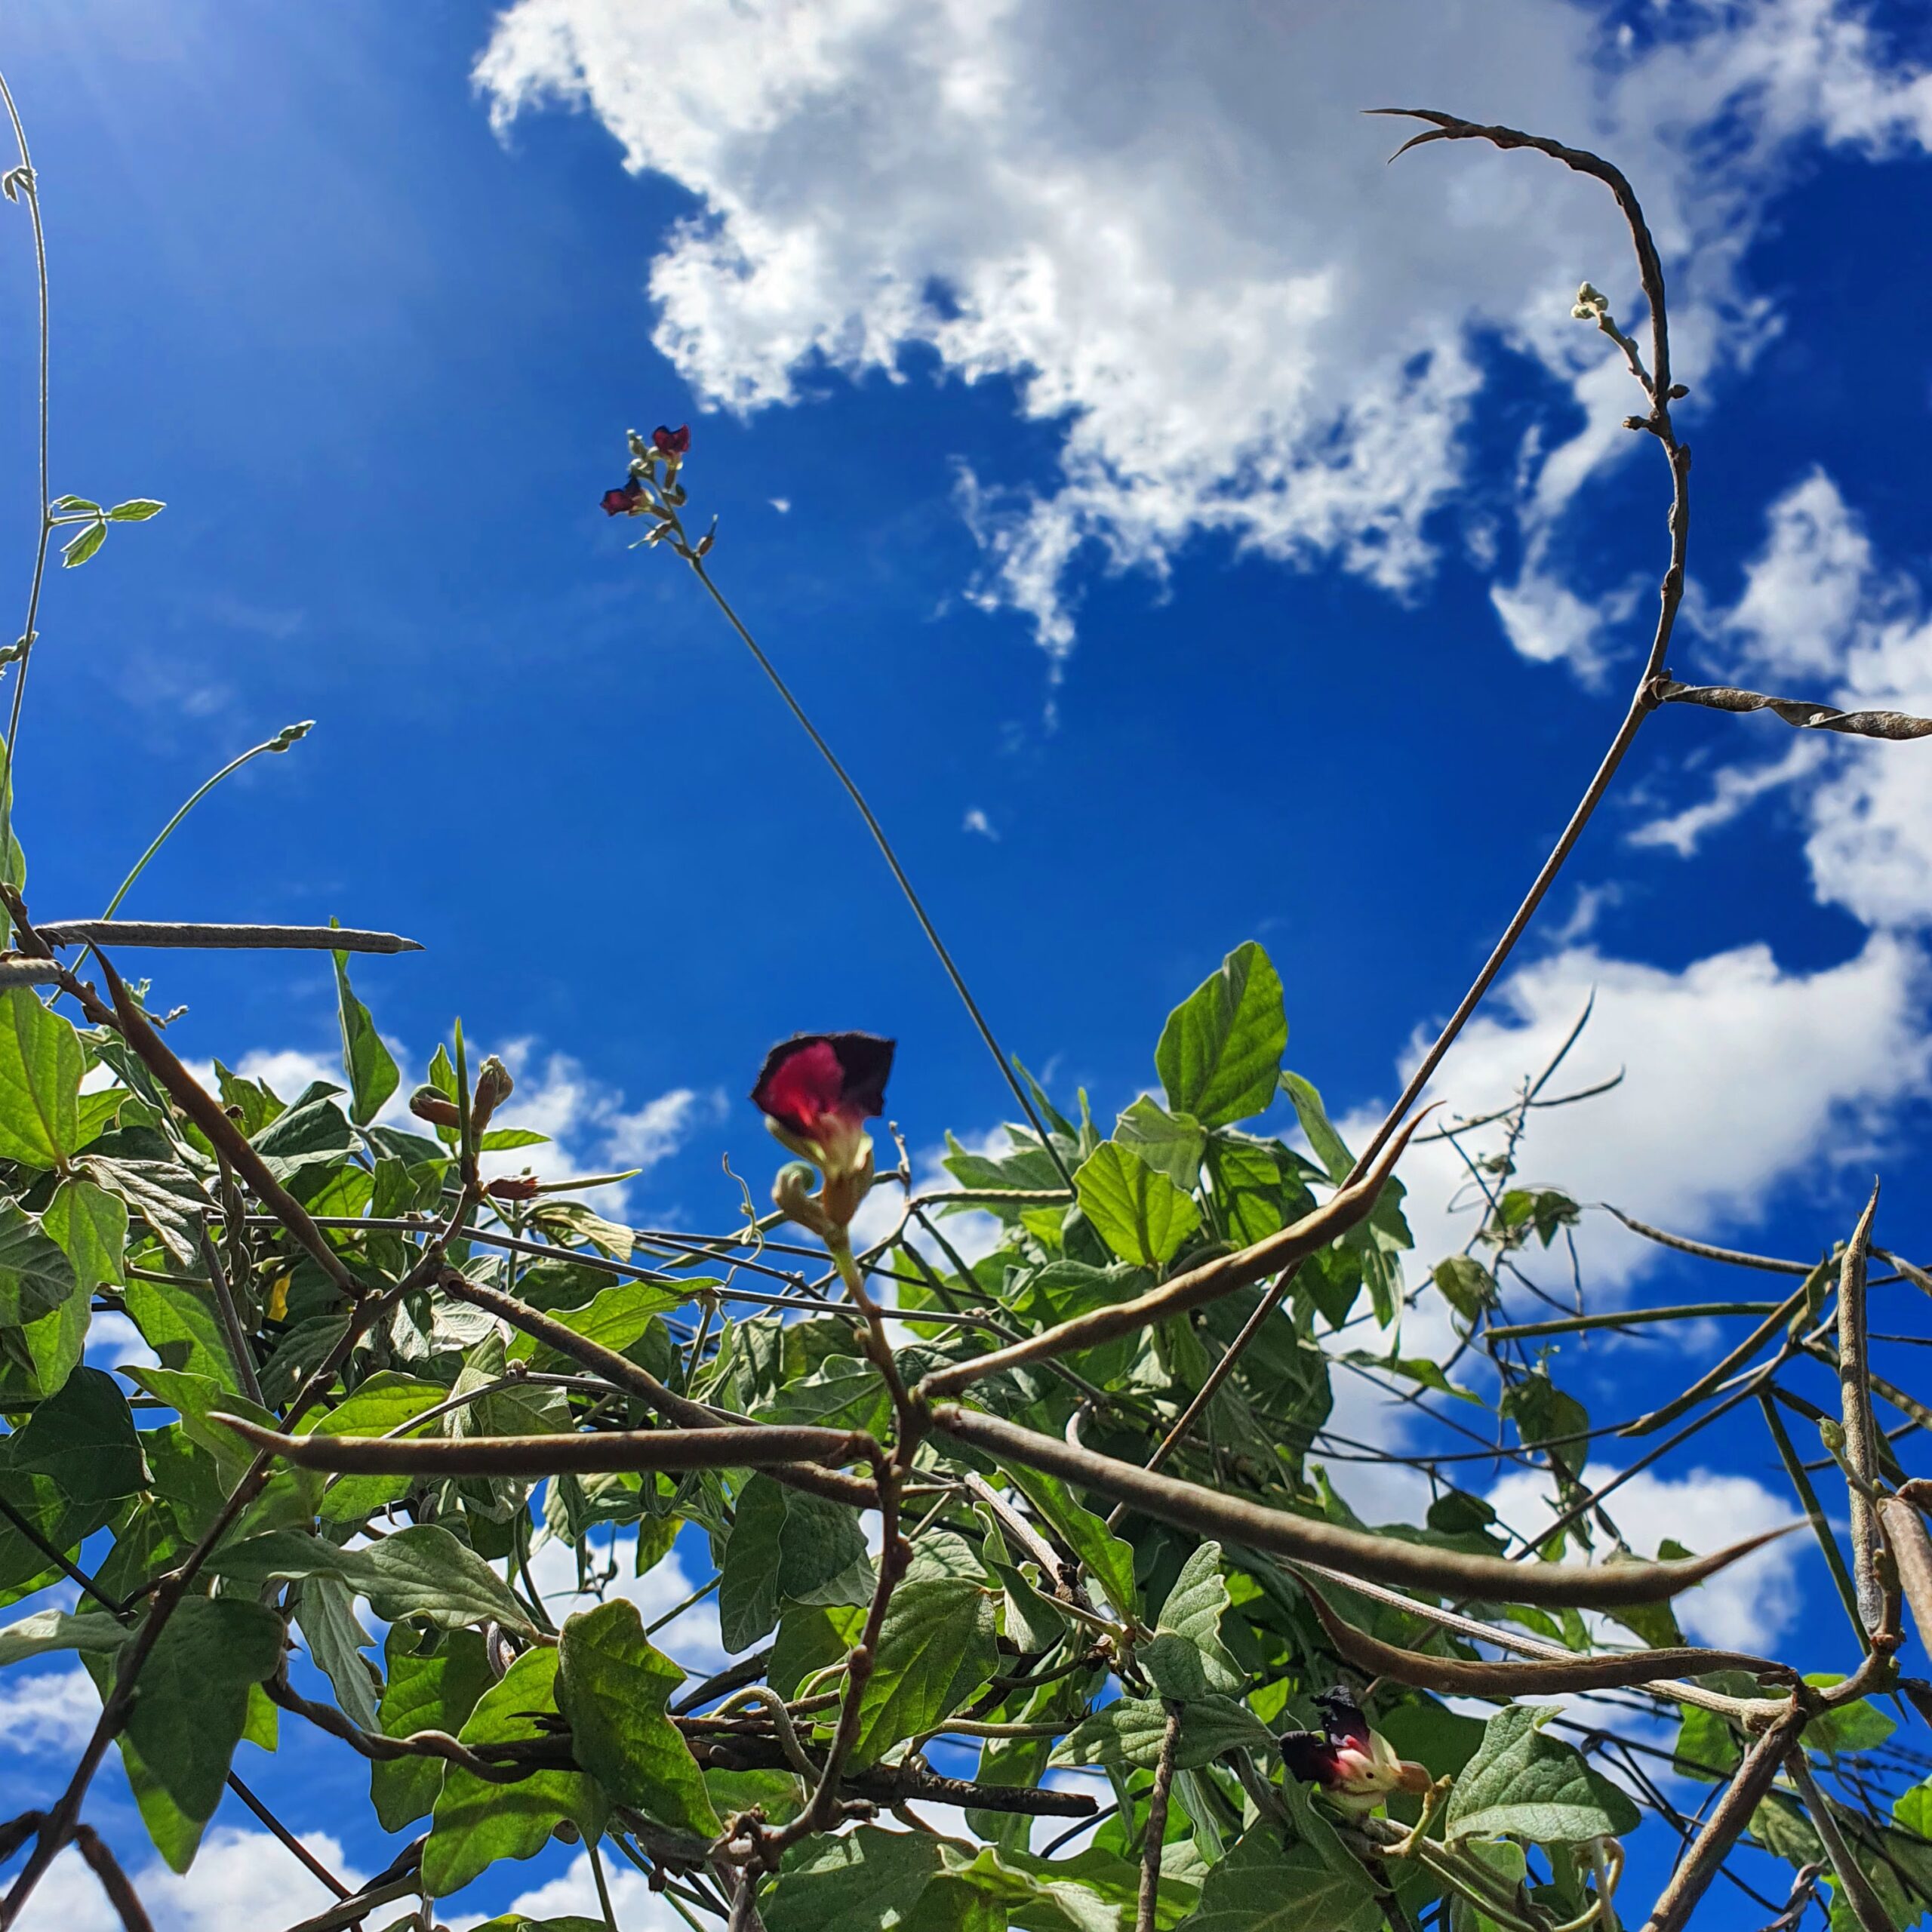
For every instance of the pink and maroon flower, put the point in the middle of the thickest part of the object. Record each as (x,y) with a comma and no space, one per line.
(624,502)
(671,442)
(817,1090)
(1356,1767)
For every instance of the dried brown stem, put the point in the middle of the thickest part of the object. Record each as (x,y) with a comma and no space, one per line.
(114,1882)
(208,1114)
(1912,1552)
(1853,1886)
(1727,1823)
(1149,1905)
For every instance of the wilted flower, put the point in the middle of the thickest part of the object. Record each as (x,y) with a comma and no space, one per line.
(432,1104)
(1355,1766)
(627,501)
(671,442)
(816,1091)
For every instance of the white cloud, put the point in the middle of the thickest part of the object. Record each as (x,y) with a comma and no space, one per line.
(590,1129)
(976,820)
(238,1878)
(1734,788)
(1173,234)
(1819,617)
(1749,1607)
(1739,1076)
(52,1710)
(574,1893)
(691,1637)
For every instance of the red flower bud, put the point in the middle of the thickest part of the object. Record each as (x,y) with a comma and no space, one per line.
(672,442)
(624,502)
(514,1187)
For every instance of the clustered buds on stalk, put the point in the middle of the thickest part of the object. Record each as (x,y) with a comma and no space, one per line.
(646,494)
(816,1091)
(1592,305)
(1356,1767)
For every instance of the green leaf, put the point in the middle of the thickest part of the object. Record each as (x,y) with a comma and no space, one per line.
(191,1707)
(1192,1616)
(1525,1784)
(1135,1209)
(79,549)
(1465,1284)
(83,1438)
(181,1327)
(938,1647)
(476,1822)
(503,1139)
(843,1392)
(1171,1142)
(786,1547)
(1109,1557)
(41,1061)
(90,1226)
(1126,1735)
(135,509)
(421,1571)
(372,1072)
(1329,1148)
(1265,1886)
(619,1316)
(613,1686)
(325,1615)
(56,1630)
(432,1691)
(864,1881)
(1258,1187)
(1222,1046)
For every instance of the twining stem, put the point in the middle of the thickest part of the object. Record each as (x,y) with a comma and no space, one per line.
(29,187)
(280,741)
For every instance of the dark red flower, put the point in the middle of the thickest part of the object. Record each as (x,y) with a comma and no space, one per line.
(672,442)
(1355,1765)
(621,503)
(514,1187)
(818,1090)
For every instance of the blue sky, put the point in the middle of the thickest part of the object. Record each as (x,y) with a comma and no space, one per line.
(1239,527)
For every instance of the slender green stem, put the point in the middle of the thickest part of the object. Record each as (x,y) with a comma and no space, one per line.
(281,742)
(603,1889)
(891,858)
(1807,1498)
(30,188)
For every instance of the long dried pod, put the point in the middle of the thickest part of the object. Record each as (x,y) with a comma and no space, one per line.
(1382,1559)
(1198,1286)
(1474,1678)
(595,1452)
(1911,1552)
